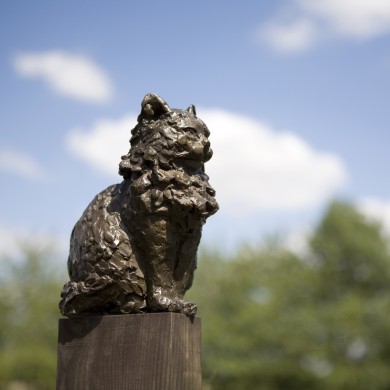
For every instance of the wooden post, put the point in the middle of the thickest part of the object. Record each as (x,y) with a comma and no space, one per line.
(159,351)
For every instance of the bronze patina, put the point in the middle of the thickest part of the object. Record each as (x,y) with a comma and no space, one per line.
(134,249)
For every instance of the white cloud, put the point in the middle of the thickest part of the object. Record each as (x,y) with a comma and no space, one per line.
(20,164)
(299,35)
(306,22)
(103,144)
(376,209)
(67,74)
(351,18)
(13,237)
(254,168)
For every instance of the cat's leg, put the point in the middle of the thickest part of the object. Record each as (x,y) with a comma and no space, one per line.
(159,251)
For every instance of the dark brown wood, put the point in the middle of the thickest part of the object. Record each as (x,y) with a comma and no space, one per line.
(158,351)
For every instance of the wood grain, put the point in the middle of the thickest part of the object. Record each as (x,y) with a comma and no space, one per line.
(159,351)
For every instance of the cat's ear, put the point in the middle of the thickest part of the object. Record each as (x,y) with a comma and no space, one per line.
(153,106)
(191,109)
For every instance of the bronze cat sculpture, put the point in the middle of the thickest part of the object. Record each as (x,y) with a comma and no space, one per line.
(134,248)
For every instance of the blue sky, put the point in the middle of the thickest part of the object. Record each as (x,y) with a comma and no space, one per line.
(295,93)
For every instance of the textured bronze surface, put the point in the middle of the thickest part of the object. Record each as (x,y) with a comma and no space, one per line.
(134,248)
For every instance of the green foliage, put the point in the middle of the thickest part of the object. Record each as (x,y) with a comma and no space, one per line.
(351,253)
(270,319)
(29,295)
(274,321)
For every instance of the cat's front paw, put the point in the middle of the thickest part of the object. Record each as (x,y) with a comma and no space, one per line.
(189,308)
(181,306)
(174,305)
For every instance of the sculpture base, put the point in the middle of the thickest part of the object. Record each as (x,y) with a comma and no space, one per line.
(136,351)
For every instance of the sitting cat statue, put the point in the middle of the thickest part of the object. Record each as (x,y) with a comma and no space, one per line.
(134,248)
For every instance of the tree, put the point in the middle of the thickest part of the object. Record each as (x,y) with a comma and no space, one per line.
(29,295)
(353,297)
(350,252)
(272,320)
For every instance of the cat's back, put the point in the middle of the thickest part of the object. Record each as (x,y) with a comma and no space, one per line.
(99,240)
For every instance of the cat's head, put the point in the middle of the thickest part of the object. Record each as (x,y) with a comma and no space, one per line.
(168,137)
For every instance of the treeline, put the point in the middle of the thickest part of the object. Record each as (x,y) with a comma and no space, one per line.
(29,293)
(270,319)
